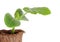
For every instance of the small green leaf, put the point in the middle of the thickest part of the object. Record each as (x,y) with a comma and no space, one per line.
(18,15)
(10,21)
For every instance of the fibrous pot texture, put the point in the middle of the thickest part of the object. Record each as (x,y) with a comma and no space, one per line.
(7,36)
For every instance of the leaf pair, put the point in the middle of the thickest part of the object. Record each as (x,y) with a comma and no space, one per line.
(13,22)
(35,10)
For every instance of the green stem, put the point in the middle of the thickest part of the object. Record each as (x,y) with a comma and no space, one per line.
(13,30)
(23,15)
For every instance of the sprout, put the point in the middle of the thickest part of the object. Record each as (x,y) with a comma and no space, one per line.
(12,22)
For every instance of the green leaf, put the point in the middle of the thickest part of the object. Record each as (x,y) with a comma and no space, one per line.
(18,15)
(10,21)
(35,10)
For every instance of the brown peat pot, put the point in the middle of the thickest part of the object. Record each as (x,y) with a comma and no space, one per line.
(6,36)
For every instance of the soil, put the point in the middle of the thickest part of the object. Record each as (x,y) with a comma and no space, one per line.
(6,36)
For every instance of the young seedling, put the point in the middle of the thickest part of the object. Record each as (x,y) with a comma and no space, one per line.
(12,22)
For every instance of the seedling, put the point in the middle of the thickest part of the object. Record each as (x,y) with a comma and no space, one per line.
(12,22)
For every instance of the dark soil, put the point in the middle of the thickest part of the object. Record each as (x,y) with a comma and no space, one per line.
(9,31)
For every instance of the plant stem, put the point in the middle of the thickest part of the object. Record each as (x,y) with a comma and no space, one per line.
(13,30)
(23,15)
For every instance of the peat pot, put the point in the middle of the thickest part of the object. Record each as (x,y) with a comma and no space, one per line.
(6,36)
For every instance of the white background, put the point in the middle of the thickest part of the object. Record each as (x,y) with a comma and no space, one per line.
(39,28)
